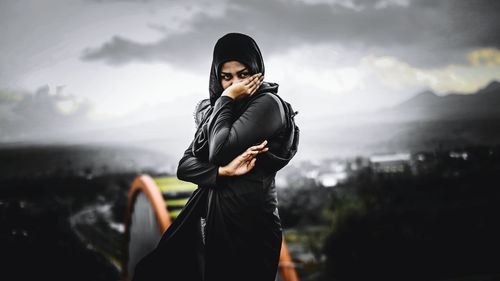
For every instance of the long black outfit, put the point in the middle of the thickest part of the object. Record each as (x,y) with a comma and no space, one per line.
(243,233)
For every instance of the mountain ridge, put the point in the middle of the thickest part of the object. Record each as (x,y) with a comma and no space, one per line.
(424,122)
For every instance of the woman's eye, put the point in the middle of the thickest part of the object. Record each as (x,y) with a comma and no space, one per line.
(244,75)
(226,77)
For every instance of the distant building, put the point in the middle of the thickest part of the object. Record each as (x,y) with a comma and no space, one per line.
(391,163)
(459,154)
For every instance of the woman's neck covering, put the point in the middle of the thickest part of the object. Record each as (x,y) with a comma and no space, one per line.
(233,46)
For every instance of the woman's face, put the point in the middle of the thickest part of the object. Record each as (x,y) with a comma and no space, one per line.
(232,72)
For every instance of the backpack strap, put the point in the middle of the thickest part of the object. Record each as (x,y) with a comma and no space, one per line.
(279,101)
(285,109)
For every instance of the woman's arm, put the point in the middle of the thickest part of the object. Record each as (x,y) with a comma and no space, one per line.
(194,170)
(202,173)
(228,138)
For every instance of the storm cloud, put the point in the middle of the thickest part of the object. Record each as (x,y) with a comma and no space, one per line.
(423,33)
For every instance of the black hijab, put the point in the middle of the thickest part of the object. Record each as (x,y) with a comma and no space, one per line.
(233,46)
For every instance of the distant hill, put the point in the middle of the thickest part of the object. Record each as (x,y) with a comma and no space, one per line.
(484,104)
(422,123)
(37,161)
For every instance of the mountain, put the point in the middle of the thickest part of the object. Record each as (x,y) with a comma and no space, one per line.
(484,104)
(422,123)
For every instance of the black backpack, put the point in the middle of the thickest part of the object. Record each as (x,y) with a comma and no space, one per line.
(289,136)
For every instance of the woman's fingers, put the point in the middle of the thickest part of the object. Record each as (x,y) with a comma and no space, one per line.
(257,80)
(262,144)
(253,80)
(251,164)
(256,149)
(255,85)
(250,80)
(251,154)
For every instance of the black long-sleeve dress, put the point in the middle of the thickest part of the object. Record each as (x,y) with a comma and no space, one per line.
(243,230)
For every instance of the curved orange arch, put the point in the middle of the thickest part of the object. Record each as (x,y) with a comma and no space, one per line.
(286,267)
(147,185)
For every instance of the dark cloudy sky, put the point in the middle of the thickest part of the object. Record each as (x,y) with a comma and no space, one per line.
(119,58)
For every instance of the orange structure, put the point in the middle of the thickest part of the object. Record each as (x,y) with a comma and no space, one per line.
(153,203)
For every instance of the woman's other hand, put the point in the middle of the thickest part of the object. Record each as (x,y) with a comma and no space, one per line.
(244,162)
(245,87)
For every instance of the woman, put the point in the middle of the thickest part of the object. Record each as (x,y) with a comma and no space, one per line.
(235,172)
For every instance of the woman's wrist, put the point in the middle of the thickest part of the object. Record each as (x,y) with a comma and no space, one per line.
(228,93)
(223,172)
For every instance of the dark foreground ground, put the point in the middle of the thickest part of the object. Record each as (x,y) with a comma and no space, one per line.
(436,222)
(37,238)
